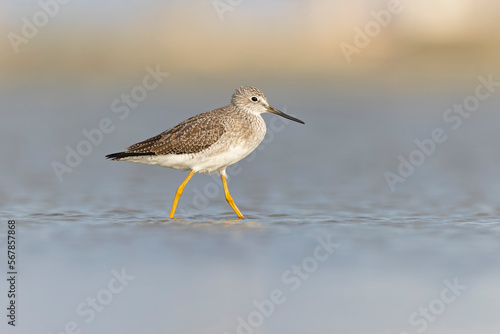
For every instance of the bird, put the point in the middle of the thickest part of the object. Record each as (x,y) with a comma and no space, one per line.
(208,142)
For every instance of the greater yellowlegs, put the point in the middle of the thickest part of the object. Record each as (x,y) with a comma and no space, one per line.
(208,142)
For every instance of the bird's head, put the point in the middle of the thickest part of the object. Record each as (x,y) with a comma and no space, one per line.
(253,100)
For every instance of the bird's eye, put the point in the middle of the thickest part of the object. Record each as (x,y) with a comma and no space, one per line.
(254,99)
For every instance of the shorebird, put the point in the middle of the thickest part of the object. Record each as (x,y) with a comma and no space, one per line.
(209,142)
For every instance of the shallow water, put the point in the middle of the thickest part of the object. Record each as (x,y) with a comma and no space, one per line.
(307,186)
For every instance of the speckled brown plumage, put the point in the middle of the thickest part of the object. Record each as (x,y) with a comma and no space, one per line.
(191,136)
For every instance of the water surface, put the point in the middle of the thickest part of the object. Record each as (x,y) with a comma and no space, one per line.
(206,271)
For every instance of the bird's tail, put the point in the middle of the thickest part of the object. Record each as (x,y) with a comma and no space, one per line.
(121,155)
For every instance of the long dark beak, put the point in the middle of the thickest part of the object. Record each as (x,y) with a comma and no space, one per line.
(282,114)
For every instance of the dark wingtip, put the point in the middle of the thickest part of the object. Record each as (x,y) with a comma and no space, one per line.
(120,155)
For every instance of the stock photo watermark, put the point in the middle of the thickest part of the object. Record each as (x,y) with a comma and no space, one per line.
(12,272)
(47,9)
(122,107)
(363,36)
(212,189)
(88,310)
(224,6)
(425,315)
(454,118)
(292,280)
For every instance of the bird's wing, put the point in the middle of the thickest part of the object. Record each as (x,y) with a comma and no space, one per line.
(191,136)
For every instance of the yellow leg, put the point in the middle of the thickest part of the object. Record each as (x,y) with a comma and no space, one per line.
(229,199)
(178,193)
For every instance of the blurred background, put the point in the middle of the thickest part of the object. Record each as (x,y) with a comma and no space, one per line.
(360,70)
(423,41)
(368,77)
